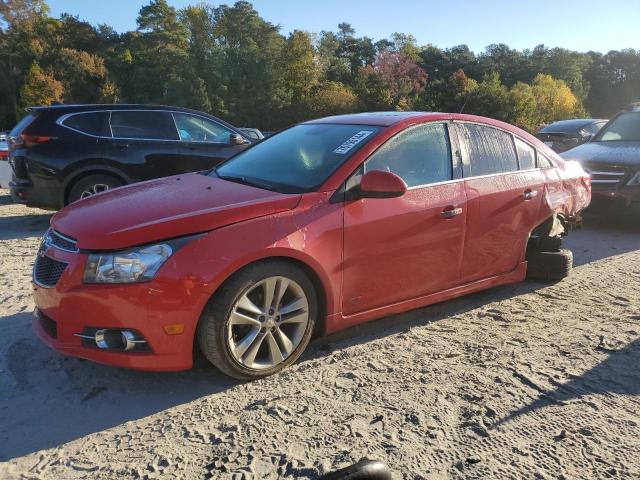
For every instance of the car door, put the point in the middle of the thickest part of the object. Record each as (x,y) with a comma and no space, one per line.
(204,142)
(502,199)
(145,142)
(400,248)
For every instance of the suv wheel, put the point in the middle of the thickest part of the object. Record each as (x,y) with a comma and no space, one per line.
(91,185)
(260,322)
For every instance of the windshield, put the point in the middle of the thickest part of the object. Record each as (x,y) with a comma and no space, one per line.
(625,127)
(299,159)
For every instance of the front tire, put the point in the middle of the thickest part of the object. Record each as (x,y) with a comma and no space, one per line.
(260,321)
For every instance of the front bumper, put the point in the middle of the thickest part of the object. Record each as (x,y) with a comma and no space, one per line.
(71,306)
(621,197)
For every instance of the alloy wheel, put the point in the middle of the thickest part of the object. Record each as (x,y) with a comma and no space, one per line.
(93,189)
(267,323)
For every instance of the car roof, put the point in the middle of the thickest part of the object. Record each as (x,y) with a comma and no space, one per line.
(110,106)
(382,119)
(570,125)
(91,107)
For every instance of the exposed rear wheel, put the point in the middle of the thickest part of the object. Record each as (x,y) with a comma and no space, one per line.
(91,185)
(260,321)
(549,266)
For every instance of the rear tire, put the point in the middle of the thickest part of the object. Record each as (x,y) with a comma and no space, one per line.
(91,185)
(549,266)
(245,338)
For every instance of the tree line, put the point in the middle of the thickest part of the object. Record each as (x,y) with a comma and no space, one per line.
(229,61)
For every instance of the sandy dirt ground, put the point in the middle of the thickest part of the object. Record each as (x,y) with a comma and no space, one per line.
(523,381)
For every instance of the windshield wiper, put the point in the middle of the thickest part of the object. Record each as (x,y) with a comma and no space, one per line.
(246,181)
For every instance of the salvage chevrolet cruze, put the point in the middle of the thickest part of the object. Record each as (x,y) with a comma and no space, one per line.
(330,223)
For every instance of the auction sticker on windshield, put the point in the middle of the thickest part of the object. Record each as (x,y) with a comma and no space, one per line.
(352,142)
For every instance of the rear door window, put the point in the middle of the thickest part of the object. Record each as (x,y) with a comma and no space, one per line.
(543,161)
(192,128)
(419,155)
(92,123)
(490,150)
(143,124)
(526,155)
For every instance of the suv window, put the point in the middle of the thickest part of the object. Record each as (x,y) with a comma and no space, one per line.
(93,123)
(192,128)
(149,125)
(526,155)
(490,150)
(419,155)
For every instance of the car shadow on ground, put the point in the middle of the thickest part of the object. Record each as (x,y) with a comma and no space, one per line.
(23,226)
(618,373)
(603,237)
(5,200)
(47,399)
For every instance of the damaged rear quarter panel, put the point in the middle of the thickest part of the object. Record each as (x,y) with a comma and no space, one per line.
(567,190)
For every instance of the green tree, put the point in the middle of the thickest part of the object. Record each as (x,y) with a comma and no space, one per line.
(299,73)
(250,70)
(489,97)
(331,98)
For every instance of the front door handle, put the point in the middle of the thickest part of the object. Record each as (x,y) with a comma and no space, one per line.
(530,194)
(451,212)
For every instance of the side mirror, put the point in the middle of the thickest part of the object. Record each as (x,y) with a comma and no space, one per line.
(237,139)
(380,184)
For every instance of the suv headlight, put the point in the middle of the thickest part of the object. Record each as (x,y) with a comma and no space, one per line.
(635,180)
(131,266)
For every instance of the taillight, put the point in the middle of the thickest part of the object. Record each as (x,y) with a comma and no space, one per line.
(4,154)
(31,140)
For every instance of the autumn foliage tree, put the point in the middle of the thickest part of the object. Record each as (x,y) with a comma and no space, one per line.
(228,60)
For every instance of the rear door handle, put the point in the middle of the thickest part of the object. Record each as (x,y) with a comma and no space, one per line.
(530,194)
(451,212)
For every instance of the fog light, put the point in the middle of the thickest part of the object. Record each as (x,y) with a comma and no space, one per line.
(114,339)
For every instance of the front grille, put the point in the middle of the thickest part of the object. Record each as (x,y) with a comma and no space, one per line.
(48,325)
(606,176)
(56,239)
(47,271)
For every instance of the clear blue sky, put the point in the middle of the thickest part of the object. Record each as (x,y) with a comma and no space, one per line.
(576,24)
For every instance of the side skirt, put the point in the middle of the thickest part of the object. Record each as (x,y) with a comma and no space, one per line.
(338,322)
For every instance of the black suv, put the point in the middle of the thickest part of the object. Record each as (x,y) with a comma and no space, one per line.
(62,153)
(613,159)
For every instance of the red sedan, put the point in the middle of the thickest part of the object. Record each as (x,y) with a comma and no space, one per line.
(330,223)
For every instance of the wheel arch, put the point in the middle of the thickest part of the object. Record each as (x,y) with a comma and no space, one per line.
(85,171)
(320,284)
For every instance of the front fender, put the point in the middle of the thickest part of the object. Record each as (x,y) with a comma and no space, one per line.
(311,235)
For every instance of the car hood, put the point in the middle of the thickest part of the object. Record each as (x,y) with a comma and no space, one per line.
(165,208)
(615,153)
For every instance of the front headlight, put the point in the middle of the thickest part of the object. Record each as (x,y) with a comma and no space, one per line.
(131,266)
(635,180)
